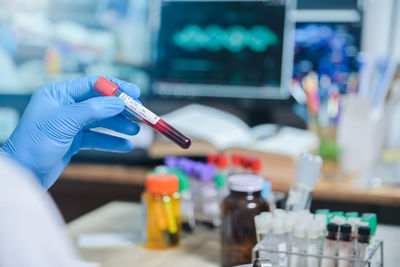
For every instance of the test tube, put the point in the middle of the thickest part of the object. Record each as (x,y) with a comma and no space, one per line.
(107,88)
(363,241)
(345,245)
(313,248)
(330,245)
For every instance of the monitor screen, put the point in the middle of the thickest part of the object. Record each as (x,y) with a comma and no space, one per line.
(222,49)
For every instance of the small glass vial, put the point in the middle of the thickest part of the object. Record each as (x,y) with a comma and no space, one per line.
(299,244)
(161,206)
(313,248)
(330,245)
(238,211)
(345,245)
(362,244)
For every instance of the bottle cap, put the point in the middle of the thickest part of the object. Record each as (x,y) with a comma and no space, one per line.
(336,213)
(313,230)
(354,220)
(105,87)
(236,159)
(246,183)
(338,220)
(256,165)
(187,165)
(321,218)
(258,223)
(262,223)
(267,216)
(184,184)
(267,190)
(345,228)
(332,227)
(220,180)
(222,162)
(372,220)
(267,219)
(322,211)
(308,170)
(279,213)
(289,222)
(171,161)
(352,214)
(161,169)
(300,229)
(277,227)
(245,161)
(196,168)
(162,183)
(207,173)
(182,178)
(364,230)
(212,158)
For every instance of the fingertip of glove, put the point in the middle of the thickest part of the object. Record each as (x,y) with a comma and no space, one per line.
(128,146)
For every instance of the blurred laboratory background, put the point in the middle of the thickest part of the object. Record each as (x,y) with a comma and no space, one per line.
(268,78)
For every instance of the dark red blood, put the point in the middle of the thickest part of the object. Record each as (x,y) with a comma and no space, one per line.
(171,133)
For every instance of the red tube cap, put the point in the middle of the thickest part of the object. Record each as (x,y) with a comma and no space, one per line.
(222,162)
(212,158)
(236,159)
(256,165)
(105,87)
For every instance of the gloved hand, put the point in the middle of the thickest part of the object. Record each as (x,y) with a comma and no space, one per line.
(57,121)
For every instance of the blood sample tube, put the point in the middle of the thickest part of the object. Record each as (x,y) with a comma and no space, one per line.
(107,88)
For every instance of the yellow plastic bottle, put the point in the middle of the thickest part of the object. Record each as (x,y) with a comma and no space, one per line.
(161,204)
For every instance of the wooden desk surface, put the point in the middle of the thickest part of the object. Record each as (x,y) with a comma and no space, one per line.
(344,189)
(197,250)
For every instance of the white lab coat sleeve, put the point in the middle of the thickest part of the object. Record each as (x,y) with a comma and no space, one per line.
(31,228)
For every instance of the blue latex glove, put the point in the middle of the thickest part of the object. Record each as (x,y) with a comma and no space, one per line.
(56,125)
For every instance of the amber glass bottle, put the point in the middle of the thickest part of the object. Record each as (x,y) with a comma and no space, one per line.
(238,211)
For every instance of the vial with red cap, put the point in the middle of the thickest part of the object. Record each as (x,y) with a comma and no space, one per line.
(107,88)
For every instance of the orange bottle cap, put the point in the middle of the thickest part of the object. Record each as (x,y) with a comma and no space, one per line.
(162,183)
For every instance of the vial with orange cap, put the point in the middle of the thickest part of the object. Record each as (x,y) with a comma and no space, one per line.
(161,206)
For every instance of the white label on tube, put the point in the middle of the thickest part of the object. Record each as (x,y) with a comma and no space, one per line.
(139,109)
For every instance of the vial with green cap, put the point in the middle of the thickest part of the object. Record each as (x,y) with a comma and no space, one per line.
(362,244)
(372,221)
(222,188)
(322,211)
(187,206)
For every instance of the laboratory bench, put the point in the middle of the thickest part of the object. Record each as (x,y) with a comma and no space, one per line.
(84,187)
(110,235)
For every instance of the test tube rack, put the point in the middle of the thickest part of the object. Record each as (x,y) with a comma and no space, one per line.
(376,247)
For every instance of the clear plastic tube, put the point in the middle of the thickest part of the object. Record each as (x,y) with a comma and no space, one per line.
(107,88)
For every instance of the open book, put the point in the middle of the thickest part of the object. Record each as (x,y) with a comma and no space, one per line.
(218,130)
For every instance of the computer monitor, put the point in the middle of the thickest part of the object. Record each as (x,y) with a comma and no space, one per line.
(219,48)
